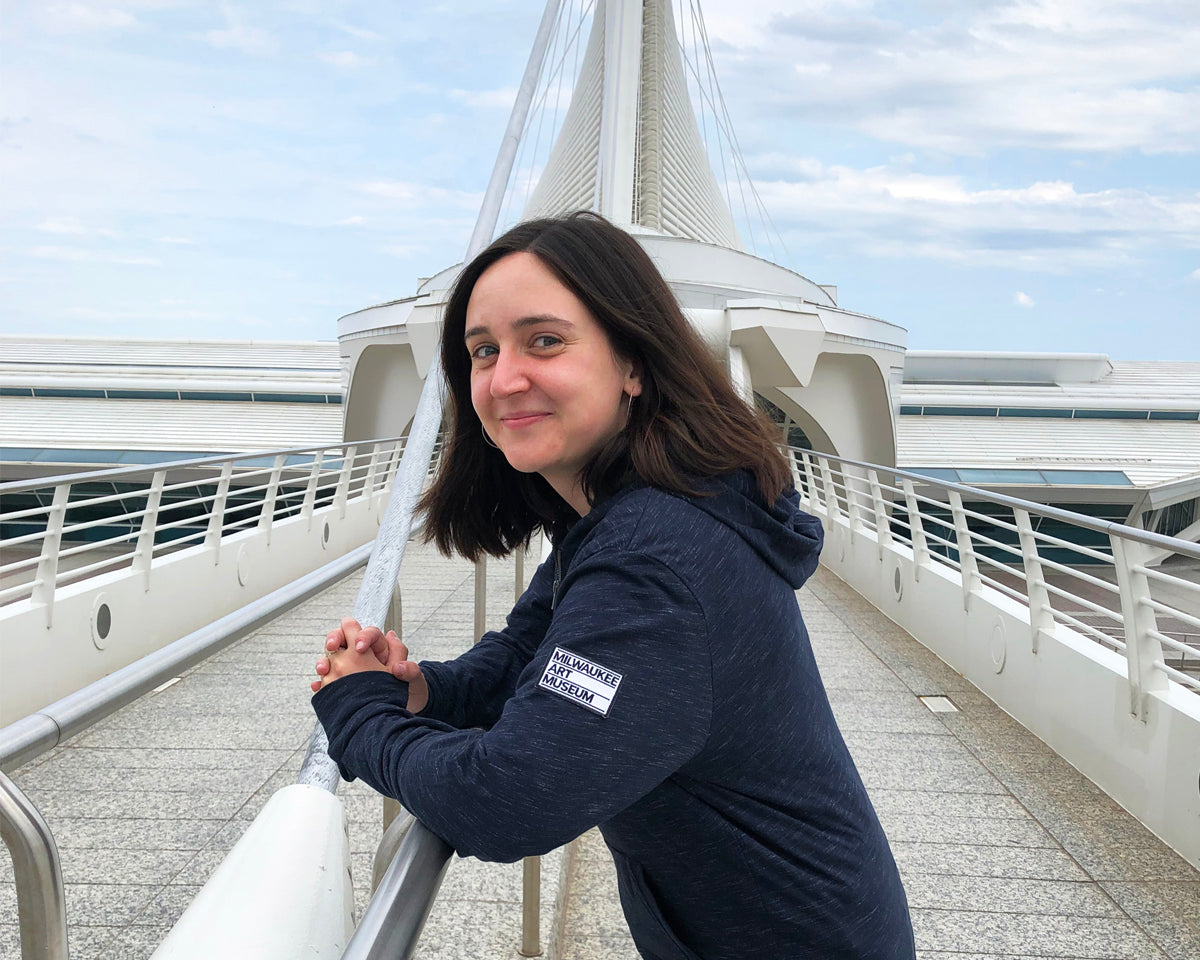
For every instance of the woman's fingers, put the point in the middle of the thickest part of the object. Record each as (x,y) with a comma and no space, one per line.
(372,638)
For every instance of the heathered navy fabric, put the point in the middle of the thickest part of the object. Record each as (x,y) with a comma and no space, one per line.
(719,780)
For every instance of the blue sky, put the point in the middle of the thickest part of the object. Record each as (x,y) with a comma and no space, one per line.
(1012,175)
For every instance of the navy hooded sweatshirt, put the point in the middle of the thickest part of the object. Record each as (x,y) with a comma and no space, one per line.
(655,679)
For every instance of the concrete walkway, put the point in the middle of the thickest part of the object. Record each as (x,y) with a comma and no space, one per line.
(1006,851)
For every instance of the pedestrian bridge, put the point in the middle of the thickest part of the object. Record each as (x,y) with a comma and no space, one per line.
(1006,848)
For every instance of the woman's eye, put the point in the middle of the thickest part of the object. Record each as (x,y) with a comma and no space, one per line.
(546,340)
(483,351)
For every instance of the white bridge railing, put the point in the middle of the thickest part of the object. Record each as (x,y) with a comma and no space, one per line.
(1063,620)
(102,567)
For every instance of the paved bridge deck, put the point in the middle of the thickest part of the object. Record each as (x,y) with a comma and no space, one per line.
(1006,851)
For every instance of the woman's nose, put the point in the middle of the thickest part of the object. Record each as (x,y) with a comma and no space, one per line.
(508,374)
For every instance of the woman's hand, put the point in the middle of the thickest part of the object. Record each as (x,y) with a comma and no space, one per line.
(352,648)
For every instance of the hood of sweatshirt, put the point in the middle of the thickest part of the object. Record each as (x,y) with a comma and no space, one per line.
(788,539)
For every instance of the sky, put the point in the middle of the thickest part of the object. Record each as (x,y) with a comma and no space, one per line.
(1019,175)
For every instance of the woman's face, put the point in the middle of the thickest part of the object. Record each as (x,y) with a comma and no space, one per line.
(545,382)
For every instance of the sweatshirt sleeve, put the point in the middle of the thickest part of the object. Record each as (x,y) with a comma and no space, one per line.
(628,632)
(471,690)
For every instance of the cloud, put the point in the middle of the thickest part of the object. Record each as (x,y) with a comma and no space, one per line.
(1047,74)
(70,17)
(181,240)
(71,225)
(1022,299)
(1045,226)
(62,225)
(237,35)
(352,222)
(359,33)
(346,59)
(413,195)
(503,97)
(1195,274)
(82,255)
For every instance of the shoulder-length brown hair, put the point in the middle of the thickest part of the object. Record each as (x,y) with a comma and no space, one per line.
(687,424)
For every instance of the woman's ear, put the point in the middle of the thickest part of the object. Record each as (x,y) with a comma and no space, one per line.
(633,378)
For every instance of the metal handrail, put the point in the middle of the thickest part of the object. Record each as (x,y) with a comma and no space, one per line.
(966,552)
(1110,527)
(37,871)
(36,733)
(20,486)
(41,902)
(393,920)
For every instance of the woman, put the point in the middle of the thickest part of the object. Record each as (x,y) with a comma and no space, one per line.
(656,678)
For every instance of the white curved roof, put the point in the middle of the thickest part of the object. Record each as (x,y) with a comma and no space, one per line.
(63,394)
(1147,452)
(1050,411)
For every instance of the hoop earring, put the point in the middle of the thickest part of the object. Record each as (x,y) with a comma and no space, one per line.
(488,440)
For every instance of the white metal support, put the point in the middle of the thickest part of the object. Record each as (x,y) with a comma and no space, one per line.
(968,565)
(143,554)
(47,571)
(393,465)
(373,475)
(791,455)
(883,524)
(1041,614)
(810,476)
(853,514)
(1142,649)
(310,490)
(267,517)
(916,529)
(343,486)
(216,518)
(832,508)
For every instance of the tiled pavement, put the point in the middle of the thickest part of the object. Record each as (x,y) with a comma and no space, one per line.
(1006,851)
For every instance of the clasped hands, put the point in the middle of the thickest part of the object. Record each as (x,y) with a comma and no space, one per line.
(352,648)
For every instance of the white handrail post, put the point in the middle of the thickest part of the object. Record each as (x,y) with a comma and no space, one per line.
(853,515)
(810,476)
(372,476)
(916,529)
(310,489)
(47,571)
(1041,615)
(216,517)
(1143,652)
(343,486)
(968,566)
(267,517)
(791,455)
(143,554)
(393,466)
(832,508)
(883,525)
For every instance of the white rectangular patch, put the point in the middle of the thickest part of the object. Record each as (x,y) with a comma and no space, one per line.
(586,683)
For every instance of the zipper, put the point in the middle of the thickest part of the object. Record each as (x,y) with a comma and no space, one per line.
(557,579)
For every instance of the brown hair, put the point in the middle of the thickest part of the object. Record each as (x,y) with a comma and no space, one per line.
(688,423)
